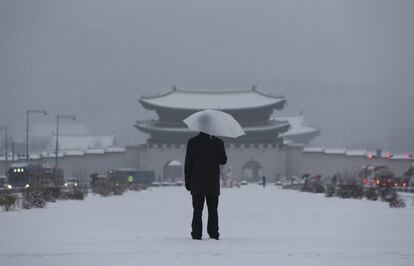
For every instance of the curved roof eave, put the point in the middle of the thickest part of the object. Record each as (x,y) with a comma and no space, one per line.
(302,131)
(150,106)
(150,102)
(149,128)
(175,89)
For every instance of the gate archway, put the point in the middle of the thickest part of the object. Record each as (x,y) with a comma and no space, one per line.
(173,171)
(252,171)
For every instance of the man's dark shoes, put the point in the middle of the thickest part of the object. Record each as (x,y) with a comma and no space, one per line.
(196,236)
(214,237)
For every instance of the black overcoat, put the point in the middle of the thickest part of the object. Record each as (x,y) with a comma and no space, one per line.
(203,157)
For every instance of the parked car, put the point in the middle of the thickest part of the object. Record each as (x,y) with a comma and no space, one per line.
(130,178)
(101,184)
(25,175)
(313,184)
(371,193)
(350,191)
(179,183)
(4,183)
(243,183)
(330,190)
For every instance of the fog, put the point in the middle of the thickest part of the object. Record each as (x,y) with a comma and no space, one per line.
(349,65)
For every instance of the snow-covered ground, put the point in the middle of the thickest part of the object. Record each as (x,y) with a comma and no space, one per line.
(258,227)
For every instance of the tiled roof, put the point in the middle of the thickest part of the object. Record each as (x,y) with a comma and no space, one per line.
(223,100)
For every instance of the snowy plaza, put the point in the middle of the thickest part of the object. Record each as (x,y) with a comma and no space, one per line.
(258,226)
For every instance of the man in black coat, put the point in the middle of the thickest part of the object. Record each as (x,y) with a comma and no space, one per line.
(204,155)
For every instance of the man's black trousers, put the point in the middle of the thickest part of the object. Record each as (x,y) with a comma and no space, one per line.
(212,224)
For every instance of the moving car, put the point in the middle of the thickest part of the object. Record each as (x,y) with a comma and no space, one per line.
(401,182)
(313,184)
(72,182)
(376,176)
(72,189)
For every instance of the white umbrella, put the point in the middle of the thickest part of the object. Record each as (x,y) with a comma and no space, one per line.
(215,123)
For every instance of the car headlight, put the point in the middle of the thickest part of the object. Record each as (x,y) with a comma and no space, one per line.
(76,184)
(27,186)
(9,186)
(66,184)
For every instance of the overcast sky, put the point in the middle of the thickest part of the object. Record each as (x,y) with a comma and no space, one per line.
(349,65)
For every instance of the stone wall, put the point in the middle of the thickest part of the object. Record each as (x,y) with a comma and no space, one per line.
(292,161)
(272,160)
(84,165)
(314,163)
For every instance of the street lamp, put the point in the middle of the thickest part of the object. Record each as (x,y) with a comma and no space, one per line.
(7,151)
(57,135)
(27,128)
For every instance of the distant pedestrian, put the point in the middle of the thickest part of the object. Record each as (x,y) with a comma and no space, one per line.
(203,157)
(130,179)
(264,181)
(334,180)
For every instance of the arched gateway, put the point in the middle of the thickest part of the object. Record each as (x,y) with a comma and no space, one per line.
(173,171)
(252,170)
(251,108)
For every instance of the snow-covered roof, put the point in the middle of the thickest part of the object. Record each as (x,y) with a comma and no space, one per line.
(84,142)
(126,169)
(51,154)
(115,149)
(292,144)
(298,132)
(297,125)
(313,149)
(95,151)
(356,152)
(74,153)
(3,157)
(335,151)
(153,126)
(19,164)
(223,100)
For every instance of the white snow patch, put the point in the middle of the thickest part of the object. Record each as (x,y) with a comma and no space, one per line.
(258,227)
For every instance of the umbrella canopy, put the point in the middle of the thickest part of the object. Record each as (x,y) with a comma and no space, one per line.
(215,123)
